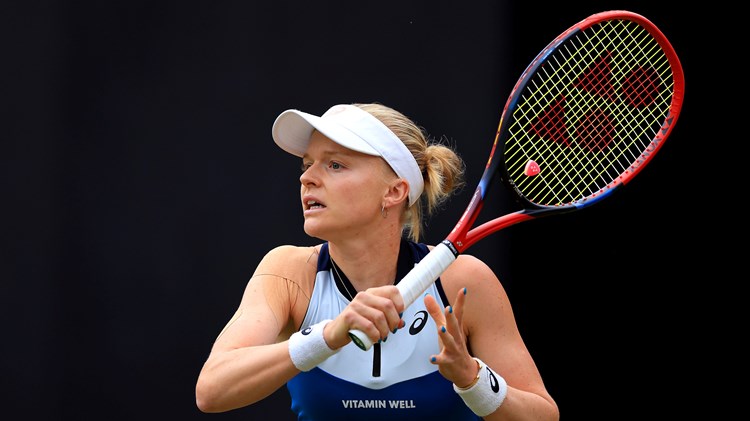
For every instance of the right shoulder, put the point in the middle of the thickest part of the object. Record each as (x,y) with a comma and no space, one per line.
(285,277)
(291,262)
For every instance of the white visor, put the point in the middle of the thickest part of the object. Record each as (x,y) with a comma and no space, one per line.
(352,128)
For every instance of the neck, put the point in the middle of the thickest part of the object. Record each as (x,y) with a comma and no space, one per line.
(367,265)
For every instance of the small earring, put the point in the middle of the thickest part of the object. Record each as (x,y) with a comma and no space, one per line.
(384,212)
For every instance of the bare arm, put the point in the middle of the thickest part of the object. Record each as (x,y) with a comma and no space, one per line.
(482,325)
(250,360)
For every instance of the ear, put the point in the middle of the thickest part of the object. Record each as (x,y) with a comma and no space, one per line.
(398,193)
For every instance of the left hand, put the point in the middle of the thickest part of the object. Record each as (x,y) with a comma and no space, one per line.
(454,361)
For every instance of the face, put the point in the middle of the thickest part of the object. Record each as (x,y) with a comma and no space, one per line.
(341,190)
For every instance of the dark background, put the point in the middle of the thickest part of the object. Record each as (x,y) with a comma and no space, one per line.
(142,187)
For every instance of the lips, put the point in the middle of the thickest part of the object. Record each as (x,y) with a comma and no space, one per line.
(313,204)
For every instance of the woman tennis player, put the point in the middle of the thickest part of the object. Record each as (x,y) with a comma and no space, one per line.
(369,178)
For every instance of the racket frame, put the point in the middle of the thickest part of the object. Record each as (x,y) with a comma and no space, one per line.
(463,236)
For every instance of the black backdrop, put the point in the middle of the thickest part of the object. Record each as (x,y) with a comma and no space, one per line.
(142,187)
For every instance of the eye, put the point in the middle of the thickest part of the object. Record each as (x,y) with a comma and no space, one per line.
(305,166)
(335,165)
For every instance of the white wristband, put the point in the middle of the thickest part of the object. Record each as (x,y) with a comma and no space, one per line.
(487,392)
(308,348)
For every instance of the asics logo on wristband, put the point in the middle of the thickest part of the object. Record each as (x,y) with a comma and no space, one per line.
(494,384)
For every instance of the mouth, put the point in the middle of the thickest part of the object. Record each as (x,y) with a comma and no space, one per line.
(313,204)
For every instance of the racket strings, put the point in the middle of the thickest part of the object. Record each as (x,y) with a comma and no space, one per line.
(594,129)
(589,113)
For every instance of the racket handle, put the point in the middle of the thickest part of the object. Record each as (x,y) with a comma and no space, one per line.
(415,283)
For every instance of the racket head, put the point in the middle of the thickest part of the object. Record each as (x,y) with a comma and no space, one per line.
(589,113)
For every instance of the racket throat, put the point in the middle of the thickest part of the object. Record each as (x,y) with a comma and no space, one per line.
(451,247)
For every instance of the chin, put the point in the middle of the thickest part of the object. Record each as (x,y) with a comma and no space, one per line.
(313,230)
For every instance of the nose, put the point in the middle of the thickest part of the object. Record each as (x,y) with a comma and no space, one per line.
(309,175)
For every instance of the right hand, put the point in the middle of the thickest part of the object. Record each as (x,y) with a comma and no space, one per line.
(376,312)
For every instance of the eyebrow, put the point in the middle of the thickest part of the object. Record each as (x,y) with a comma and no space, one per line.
(327,153)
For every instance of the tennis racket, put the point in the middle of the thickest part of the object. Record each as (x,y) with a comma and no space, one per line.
(587,115)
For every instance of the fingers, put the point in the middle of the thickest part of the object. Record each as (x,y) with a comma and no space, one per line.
(451,316)
(434,309)
(454,315)
(391,293)
(450,329)
(376,312)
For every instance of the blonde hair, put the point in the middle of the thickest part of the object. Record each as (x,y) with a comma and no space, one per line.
(442,168)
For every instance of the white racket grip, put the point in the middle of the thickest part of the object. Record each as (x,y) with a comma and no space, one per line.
(425,273)
(415,283)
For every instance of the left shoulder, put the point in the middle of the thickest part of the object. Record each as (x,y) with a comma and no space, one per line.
(473,265)
(485,295)
(470,272)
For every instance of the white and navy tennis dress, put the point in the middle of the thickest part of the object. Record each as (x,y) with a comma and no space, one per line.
(393,380)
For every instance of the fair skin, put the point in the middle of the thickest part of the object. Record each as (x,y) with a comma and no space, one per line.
(342,194)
